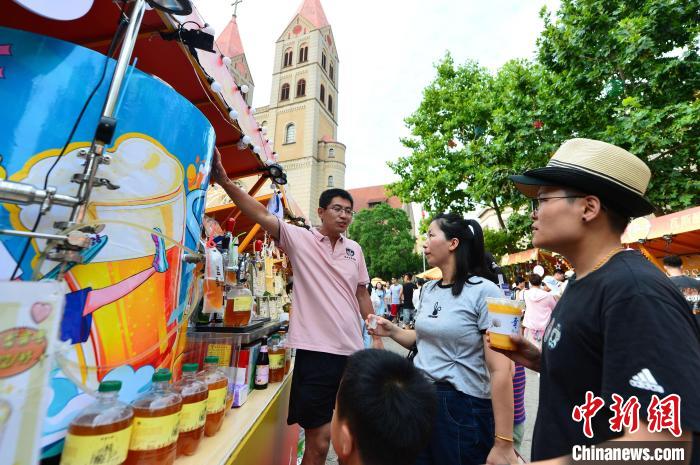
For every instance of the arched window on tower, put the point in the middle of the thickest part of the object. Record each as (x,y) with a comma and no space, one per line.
(284,94)
(290,134)
(331,72)
(330,104)
(287,58)
(301,87)
(304,53)
(323,94)
(323,60)
(330,181)
(331,153)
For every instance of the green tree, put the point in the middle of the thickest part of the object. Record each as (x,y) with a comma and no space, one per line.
(629,72)
(615,70)
(385,236)
(514,238)
(471,131)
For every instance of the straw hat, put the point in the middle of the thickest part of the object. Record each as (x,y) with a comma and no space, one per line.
(613,174)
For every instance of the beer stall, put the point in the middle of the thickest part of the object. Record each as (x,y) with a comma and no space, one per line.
(673,234)
(111,114)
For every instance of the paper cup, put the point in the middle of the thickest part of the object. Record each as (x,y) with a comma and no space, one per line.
(505,315)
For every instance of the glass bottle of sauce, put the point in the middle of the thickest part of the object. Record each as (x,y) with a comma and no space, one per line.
(100,433)
(194,409)
(217,383)
(156,423)
(262,368)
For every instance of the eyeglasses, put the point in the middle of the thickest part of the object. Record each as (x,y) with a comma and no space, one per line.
(536,201)
(338,210)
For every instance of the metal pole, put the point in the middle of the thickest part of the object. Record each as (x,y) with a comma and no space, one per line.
(33,235)
(127,49)
(93,157)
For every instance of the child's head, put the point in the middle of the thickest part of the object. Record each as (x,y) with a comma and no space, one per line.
(384,410)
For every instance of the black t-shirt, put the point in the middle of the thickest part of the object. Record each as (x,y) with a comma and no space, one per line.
(623,329)
(408,294)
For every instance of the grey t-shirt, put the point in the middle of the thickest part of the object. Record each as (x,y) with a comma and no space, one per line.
(449,335)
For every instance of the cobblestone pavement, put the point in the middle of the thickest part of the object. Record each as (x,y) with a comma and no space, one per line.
(531,389)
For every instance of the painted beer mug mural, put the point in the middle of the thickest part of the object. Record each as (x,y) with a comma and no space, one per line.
(125,305)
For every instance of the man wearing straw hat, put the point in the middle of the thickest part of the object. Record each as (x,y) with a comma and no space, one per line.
(621,344)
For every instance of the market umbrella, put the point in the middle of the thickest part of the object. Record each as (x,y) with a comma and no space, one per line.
(433,273)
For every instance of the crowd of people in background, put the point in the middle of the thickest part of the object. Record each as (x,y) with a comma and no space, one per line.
(619,321)
(397,301)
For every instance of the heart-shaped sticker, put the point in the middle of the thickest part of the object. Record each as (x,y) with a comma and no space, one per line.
(40,311)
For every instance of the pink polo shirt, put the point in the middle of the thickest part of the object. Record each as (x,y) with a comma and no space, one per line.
(325,311)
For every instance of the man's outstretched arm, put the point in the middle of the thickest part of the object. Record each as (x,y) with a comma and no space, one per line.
(247,204)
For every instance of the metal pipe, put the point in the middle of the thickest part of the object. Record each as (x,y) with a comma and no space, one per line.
(25,194)
(33,235)
(97,148)
(130,38)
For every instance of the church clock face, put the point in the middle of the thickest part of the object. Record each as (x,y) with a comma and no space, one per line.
(297,30)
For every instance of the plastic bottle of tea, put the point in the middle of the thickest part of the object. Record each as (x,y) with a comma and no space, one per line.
(194,409)
(156,423)
(217,383)
(100,433)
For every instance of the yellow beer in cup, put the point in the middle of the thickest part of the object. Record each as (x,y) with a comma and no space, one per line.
(505,316)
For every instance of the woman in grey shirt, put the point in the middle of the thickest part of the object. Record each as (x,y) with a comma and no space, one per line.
(474,424)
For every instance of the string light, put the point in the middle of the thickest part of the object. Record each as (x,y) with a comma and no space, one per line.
(216,87)
(244,88)
(257,150)
(232,113)
(246,140)
(226,61)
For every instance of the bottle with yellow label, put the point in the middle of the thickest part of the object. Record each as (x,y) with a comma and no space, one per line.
(156,423)
(194,409)
(100,433)
(217,383)
(276,358)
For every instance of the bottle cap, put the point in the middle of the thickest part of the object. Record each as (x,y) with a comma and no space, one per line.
(110,386)
(190,367)
(211,359)
(161,375)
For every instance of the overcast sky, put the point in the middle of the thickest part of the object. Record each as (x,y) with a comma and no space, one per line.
(386,49)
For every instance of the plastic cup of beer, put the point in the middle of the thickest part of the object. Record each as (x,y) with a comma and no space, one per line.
(504,315)
(372,322)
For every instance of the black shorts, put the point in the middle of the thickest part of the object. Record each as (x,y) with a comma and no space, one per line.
(315,382)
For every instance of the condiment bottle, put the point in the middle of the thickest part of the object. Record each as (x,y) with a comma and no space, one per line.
(262,368)
(276,356)
(194,409)
(100,433)
(156,423)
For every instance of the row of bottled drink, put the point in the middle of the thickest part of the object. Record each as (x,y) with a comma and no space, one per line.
(166,421)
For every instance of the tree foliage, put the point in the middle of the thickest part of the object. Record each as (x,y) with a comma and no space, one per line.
(385,236)
(624,72)
(630,72)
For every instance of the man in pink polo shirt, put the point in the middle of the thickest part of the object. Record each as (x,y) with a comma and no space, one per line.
(330,294)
